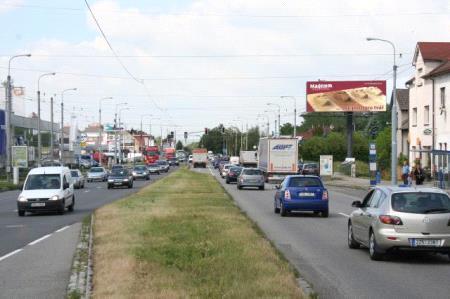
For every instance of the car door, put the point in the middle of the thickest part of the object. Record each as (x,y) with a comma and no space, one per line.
(66,191)
(358,217)
(369,215)
(279,192)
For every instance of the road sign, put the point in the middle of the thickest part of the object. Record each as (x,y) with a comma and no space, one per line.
(326,165)
(19,156)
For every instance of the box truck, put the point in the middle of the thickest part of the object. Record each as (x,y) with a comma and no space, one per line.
(277,157)
(199,157)
(248,158)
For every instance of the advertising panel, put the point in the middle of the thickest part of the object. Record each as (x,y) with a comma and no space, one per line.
(326,165)
(19,156)
(346,96)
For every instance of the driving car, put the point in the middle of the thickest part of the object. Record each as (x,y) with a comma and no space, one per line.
(97,174)
(233,174)
(174,162)
(77,178)
(301,193)
(251,177)
(117,166)
(47,189)
(141,172)
(120,178)
(309,169)
(225,169)
(154,168)
(163,165)
(392,218)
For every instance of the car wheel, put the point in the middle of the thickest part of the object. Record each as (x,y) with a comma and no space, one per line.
(130,186)
(147,178)
(109,186)
(283,211)
(227,181)
(21,213)
(276,210)
(239,187)
(261,187)
(324,214)
(72,205)
(374,252)
(82,186)
(351,240)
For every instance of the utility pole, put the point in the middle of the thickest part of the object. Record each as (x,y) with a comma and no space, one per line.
(39,157)
(295,113)
(100,129)
(51,129)
(61,145)
(246,137)
(115,138)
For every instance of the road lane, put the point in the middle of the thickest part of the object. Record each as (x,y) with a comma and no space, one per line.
(317,247)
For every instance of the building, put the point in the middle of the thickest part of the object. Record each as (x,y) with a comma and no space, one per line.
(428,95)
(402,121)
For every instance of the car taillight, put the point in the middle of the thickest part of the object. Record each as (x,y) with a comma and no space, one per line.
(287,194)
(325,195)
(387,219)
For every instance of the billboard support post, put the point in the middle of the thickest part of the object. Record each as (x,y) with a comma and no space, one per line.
(349,116)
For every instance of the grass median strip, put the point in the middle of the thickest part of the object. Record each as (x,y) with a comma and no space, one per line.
(183,237)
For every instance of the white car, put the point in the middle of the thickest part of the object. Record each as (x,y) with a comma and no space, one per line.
(97,174)
(226,169)
(47,189)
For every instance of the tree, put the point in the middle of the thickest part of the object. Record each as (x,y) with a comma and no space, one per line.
(179,145)
(383,143)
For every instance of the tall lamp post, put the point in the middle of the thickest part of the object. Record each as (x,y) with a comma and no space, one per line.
(61,145)
(393,115)
(295,113)
(39,116)
(268,122)
(8,112)
(115,130)
(121,132)
(279,112)
(100,128)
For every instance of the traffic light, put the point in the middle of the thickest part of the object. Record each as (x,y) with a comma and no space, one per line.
(206,131)
(185,135)
(223,130)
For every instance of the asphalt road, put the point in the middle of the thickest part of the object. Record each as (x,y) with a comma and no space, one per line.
(16,232)
(317,247)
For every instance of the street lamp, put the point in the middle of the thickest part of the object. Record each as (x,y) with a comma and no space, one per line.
(61,145)
(279,112)
(121,132)
(268,122)
(39,116)
(393,115)
(115,130)
(295,113)
(100,128)
(275,118)
(8,108)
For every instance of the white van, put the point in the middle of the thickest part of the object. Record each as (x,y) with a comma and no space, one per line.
(47,189)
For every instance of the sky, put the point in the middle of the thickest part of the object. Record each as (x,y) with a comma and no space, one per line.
(195,64)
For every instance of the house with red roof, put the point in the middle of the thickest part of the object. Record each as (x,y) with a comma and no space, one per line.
(429,107)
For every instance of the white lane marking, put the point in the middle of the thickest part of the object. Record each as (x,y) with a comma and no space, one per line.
(10,254)
(15,226)
(345,215)
(39,240)
(87,191)
(62,228)
(99,187)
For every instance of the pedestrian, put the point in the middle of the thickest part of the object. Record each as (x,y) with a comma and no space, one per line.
(410,179)
(419,175)
(405,172)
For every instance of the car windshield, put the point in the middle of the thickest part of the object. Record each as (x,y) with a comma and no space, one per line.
(252,172)
(299,182)
(162,162)
(74,174)
(140,168)
(43,181)
(96,169)
(310,166)
(119,172)
(153,165)
(235,169)
(420,202)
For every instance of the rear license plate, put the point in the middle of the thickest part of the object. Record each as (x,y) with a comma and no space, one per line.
(425,242)
(38,204)
(118,183)
(306,194)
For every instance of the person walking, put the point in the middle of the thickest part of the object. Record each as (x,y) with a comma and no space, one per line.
(419,175)
(405,172)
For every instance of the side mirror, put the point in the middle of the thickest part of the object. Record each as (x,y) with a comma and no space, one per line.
(277,186)
(357,204)
(66,186)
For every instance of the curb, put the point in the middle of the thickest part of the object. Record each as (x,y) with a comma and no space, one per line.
(80,281)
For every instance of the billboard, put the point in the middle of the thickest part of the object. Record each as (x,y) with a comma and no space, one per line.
(326,165)
(345,96)
(19,156)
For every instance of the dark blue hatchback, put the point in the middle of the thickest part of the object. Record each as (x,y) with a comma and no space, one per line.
(301,193)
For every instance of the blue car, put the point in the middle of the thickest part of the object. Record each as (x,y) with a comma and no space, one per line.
(301,193)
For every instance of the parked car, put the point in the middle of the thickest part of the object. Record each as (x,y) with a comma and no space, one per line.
(401,218)
(309,169)
(77,178)
(163,165)
(141,172)
(301,193)
(233,174)
(225,170)
(251,177)
(120,178)
(47,189)
(174,162)
(97,174)
(154,168)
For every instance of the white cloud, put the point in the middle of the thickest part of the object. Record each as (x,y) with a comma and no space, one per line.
(8,5)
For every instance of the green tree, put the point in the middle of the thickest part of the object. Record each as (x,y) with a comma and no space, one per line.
(179,145)
(311,149)
(360,147)
(383,143)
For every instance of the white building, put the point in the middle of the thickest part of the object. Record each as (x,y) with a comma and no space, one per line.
(428,94)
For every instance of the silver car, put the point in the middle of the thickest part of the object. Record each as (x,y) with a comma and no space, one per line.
(77,178)
(251,177)
(225,170)
(401,218)
(97,174)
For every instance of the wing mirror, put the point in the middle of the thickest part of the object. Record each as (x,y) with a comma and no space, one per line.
(66,186)
(357,204)
(277,186)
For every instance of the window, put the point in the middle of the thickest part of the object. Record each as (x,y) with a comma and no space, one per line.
(414,117)
(43,181)
(377,199)
(420,70)
(426,115)
(442,97)
(300,182)
(420,202)
(366,201)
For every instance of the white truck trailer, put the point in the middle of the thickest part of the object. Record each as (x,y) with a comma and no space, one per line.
(277,157)
(248,158)
(199,157)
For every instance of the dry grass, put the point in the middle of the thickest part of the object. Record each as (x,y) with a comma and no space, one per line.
(183,237)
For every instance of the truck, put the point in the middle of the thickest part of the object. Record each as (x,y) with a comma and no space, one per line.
(169,153)
(151,154)
(277,157)
(234,160)
(248,158)
(199,157)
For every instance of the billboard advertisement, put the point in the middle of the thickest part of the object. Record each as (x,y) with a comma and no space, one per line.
(326,165)
(346,96)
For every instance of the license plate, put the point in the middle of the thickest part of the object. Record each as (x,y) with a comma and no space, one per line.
(38,204)
(117,183)
(307,194)
(425,242)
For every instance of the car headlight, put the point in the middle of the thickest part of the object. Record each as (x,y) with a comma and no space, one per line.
(144,173)
(54,197)
(22,199)
(110,180)
(134,173)
(125,180)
